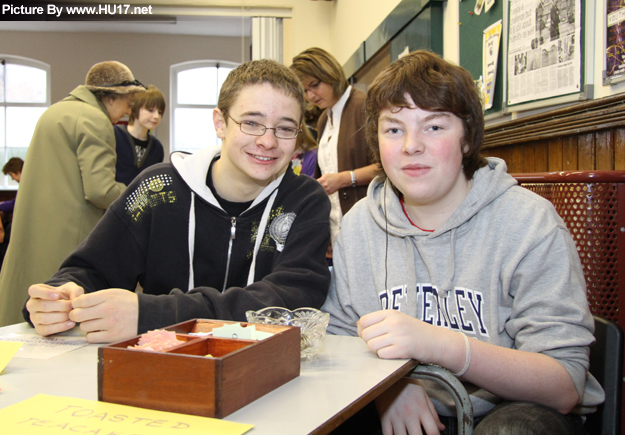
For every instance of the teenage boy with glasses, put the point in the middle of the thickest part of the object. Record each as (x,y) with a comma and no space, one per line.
(209,235)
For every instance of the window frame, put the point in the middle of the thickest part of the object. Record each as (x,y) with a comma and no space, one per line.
(7,183)
(173,86)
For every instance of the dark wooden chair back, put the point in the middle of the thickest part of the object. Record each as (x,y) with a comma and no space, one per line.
(592,204)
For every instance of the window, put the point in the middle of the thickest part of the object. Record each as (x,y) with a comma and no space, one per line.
(195,90)
(24,96)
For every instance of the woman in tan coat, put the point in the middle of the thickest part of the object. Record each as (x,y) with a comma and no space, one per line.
(67,183)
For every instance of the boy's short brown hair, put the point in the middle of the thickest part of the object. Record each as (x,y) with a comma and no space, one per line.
(152,98)
(258,72)
(14,165)
(320,65)
(435,85)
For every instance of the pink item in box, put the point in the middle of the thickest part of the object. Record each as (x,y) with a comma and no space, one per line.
(158,340)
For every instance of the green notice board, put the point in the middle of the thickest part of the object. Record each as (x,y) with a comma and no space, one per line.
(472,28)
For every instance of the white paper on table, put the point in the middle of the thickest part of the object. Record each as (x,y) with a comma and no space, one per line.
(235,330)
(38,347)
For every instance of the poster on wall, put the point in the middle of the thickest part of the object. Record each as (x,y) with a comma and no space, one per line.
(492,38)
(615,45)
(544,57)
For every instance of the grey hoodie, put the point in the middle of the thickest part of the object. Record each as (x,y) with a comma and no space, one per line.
(503,269)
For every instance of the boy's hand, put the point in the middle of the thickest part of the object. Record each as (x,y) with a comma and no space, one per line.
(392,334)
(107,315)
(405,408)
(49,307)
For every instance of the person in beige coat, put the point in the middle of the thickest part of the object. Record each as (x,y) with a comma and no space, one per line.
(67,183)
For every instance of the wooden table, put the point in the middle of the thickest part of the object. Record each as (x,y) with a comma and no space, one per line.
(344,378)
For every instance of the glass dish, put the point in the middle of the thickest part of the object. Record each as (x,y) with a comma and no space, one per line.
(312,323)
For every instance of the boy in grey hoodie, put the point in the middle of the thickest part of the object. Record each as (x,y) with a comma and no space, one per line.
(449,262)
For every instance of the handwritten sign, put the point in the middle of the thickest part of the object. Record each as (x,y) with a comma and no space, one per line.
(50,415)
(7,350)
(36,346)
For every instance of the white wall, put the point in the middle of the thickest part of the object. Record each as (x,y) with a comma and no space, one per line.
(451,31)
(352,22)
(339,26)
(71,54)
(309,24)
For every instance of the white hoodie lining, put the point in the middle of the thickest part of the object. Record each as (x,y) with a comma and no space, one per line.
(191,240)
(260,235)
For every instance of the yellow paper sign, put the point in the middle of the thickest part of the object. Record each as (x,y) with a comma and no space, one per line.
(50,415)
(7,350)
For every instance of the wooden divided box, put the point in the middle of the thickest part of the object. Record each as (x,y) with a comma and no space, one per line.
(184,380)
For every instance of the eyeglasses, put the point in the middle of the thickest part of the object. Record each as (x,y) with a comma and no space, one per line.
(126,83)
(254,129)
(313,87)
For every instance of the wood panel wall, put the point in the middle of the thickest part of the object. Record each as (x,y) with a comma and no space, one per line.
(585,136)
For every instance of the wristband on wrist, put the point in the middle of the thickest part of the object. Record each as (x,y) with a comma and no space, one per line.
(353,175)
(467,360)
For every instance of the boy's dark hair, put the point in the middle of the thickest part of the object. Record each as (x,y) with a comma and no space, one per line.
(435,85)
(258,72)
(14,165)
(320,65)
(152,98)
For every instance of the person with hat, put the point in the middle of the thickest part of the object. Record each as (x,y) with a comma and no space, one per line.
(68,182)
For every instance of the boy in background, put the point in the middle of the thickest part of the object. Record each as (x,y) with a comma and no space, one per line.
(136,146)
(12,168)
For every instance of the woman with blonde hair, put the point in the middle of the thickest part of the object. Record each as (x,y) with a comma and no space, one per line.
(344,166)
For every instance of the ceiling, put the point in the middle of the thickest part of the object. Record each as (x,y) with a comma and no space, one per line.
(179,25)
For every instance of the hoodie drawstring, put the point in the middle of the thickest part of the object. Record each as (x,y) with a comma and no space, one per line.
(448,282)
(191,240)
(411,281)
(259,237)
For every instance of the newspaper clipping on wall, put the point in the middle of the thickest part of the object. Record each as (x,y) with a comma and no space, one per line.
(544,56)
(615,43)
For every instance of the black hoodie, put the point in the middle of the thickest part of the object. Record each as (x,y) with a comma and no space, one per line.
(168,215)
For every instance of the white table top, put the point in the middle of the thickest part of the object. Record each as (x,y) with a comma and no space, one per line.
(345,377)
